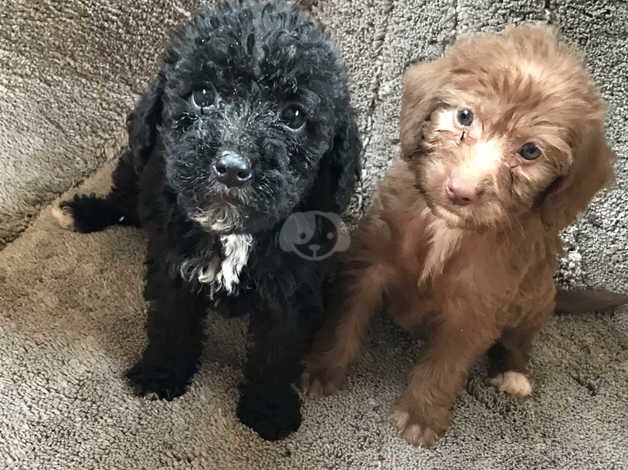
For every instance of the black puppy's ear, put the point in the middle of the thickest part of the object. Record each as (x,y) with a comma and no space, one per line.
(339,170)
(143,121)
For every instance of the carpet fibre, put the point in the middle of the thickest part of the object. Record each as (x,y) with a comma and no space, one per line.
(71,311)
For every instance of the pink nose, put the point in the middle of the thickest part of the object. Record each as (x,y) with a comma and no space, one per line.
(461,192)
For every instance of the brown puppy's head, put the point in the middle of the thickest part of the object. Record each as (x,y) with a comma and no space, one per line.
(503,125)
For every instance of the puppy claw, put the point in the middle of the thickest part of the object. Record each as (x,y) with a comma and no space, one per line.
(512,383)
(420,436)
(411,429)
(323,382)
(399,418)
(63,216)
(309,387)
(157,383)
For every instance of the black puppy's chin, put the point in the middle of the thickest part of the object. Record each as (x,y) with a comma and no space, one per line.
(228,218)
(223,218)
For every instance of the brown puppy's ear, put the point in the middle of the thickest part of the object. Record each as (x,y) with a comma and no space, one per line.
(591,170)
(421,83)
(588,300)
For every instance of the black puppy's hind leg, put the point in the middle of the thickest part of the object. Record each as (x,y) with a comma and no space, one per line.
(90,213)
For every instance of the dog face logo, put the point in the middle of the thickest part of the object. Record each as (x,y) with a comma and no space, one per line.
(314,235)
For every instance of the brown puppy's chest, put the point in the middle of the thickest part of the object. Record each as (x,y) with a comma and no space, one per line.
(483,277)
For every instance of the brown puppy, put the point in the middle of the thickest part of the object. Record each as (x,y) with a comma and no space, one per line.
(501,147)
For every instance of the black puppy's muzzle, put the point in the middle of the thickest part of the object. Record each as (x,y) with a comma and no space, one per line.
(233,170)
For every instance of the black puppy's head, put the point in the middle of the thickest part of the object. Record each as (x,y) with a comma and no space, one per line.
(253,115)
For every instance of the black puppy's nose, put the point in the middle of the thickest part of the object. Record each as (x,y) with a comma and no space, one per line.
(232,169)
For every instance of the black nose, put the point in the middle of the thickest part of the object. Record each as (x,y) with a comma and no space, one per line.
(232,169)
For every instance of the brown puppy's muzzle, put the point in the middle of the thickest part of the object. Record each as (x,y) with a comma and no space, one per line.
(461,191)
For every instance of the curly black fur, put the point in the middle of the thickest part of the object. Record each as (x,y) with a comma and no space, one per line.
(247,62)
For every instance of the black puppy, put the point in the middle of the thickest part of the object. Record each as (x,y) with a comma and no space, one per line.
(247,122)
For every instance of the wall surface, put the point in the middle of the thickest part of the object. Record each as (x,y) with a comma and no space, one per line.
(70,71)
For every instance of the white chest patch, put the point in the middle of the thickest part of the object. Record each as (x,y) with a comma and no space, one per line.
(222,274)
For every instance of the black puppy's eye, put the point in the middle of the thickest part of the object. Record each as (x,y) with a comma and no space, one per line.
(293,116)
(203,97)
(530,151)
(464,117)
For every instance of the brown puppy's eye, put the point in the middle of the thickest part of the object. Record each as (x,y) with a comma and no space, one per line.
(530,151)
(203,97)
(464,117)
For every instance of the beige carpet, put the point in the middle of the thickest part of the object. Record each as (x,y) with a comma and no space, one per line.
(71,313)
(71,323)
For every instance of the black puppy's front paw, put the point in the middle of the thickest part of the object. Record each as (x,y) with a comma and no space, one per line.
(273,412)
(83,214)
(166,383)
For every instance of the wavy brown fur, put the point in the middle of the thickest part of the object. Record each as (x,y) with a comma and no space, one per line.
(472,273)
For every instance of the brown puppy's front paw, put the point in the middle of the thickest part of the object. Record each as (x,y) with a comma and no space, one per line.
(322,382)
(512,383)
(422,431)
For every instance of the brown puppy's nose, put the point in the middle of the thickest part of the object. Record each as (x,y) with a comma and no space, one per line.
(461,192)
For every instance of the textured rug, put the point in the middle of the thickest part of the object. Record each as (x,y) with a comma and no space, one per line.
(71,313)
